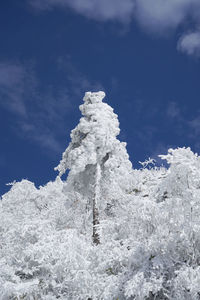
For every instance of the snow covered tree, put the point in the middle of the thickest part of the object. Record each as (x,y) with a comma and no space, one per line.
(150,241)
(95,157)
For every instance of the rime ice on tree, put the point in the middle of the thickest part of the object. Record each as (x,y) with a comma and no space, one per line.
(94,155)
(150,231)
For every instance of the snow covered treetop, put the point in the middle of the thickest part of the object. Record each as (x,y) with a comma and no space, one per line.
(93,97)
(94,137)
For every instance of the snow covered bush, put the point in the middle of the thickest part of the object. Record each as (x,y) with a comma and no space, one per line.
(109,232)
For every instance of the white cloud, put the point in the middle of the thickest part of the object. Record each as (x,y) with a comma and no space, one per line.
(154,15)
(103,10)
(189,43)
(157,16)
(160,16)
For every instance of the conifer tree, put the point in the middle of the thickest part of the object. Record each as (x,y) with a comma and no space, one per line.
(94,154)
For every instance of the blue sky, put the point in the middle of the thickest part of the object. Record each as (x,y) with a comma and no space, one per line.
(144,54)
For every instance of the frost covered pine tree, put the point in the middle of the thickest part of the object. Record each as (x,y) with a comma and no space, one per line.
(95,157)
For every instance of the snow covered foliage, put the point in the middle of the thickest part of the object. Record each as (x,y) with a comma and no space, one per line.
(93,142)
(98,161)
(93,138)
(148,223)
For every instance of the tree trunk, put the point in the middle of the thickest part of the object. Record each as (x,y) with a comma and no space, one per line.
(95,236)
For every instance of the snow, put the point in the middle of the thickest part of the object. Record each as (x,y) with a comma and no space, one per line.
(148,222)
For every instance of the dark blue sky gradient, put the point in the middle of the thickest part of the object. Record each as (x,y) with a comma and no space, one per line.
(152,87)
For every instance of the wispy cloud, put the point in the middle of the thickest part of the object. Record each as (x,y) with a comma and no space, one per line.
(189,43)
(173,110)
(103,10)
(155,16)
(195,126)
(15,80)
(40,113)
(160,16)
